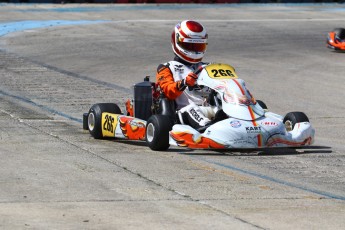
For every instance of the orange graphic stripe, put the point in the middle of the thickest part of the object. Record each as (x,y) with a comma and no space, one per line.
(259,136)
(132,130)
(259,140)
(252,115)
(275,141)
(185,139)
(239,86)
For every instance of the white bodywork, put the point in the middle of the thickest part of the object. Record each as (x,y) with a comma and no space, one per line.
(248,125)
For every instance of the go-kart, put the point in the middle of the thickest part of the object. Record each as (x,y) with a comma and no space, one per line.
(240,122)
(336,39)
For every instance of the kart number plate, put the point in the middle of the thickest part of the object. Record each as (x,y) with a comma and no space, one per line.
(109,122)
(221,71)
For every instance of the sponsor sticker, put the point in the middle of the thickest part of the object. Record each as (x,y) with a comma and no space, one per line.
(235,123)
(221,71)
(196,115)
(109,122)
(253,129)
(269,123)
(136,124)
(179,68)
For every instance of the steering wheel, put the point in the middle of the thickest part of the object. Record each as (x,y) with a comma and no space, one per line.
(197,71)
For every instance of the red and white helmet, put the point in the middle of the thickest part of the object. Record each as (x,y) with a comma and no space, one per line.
(189,41)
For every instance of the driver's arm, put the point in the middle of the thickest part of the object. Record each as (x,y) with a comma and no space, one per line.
(165,80)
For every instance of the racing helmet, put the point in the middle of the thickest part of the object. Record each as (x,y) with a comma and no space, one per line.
(189,41)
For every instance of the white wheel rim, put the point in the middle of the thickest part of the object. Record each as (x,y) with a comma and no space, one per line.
(288,125)
(91,121)
(150,130)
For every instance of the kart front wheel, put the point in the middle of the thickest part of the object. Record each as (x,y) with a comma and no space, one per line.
(94,118)
(292,118)
(157,132)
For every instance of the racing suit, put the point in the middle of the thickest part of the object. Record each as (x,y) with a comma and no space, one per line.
(192,109)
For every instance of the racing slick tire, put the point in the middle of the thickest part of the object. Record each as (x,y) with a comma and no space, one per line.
(157,132)
(94,118)
(292,118)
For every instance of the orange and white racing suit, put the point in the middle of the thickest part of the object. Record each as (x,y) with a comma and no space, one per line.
(191,107)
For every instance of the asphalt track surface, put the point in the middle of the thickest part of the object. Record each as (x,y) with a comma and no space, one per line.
(58,60)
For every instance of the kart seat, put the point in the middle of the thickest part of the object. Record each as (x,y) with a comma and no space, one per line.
(167,107)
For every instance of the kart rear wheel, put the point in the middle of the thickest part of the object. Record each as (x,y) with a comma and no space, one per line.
(157,132)
(94,118)
(292,118)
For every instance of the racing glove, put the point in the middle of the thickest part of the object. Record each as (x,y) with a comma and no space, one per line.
(190,80)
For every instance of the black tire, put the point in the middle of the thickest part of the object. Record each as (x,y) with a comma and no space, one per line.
(94,118)
(292,118)
(340,32)
(262,104)
(157,132)
(85,115)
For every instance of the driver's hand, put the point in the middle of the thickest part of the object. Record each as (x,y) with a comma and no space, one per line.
(191,78)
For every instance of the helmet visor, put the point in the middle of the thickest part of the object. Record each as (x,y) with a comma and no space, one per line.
(193,47)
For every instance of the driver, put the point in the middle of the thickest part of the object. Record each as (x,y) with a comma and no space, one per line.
(175,78)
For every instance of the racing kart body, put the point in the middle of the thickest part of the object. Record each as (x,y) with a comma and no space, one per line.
(336,39)
(240,120)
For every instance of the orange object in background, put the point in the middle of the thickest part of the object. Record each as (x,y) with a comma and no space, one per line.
(336,39)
